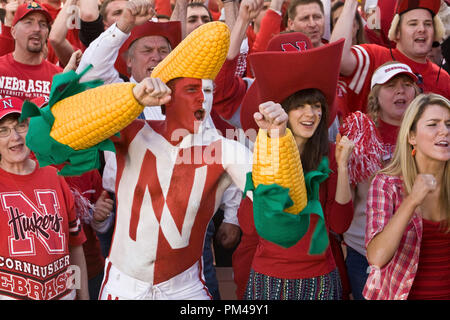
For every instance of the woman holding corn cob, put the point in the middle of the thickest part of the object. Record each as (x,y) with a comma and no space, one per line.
(41,234)
(303,268)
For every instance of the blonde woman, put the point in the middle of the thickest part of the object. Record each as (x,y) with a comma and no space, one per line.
(408,209)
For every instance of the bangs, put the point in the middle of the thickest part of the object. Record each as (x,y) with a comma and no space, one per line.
(10,117)
(306,96)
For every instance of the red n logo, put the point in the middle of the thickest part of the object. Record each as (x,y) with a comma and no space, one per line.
(28,222)
(299,46)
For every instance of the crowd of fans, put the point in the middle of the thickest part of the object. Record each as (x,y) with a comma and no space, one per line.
(386,61)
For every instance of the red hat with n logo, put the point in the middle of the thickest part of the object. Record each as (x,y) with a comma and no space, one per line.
(10,105)
(283,42)
(280,73)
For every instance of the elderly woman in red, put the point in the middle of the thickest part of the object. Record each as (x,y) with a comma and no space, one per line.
(40,232)
(408,209)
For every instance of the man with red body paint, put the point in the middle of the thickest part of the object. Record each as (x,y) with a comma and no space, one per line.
(170,180)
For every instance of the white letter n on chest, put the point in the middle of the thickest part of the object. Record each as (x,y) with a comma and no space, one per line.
(174,237)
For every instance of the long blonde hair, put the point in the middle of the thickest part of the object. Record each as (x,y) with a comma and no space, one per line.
(403,163)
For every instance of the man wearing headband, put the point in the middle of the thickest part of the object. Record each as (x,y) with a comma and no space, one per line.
(414,28)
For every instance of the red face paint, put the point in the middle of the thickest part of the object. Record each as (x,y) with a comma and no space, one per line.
(185,110)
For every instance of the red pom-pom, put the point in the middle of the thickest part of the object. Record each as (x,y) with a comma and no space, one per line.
(83,206)
(366,157)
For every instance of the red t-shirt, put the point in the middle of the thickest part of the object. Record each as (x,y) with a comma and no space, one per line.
(432,280)
(38,224)
(25,81)
(370,56)
(7,42)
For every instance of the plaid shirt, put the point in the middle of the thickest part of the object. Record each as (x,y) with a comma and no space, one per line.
(394,280)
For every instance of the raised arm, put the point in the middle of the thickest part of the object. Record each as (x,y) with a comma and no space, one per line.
(6,40)
(231,10)
(276,181)
(344,148)
(248,10)
(382,246)
(57,37)
(344,29)
(89,10)
(179,14)
(102,53)
(270,26)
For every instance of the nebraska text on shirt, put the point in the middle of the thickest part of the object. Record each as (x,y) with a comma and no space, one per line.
(24,85)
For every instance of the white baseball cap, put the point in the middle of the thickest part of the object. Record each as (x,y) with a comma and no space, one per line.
(387,71)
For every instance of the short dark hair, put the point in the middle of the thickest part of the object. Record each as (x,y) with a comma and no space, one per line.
(292,10)
(200,4)
(103,6)
(317,146)
(10,117)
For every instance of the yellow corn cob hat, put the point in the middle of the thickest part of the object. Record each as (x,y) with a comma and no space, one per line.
(200,55)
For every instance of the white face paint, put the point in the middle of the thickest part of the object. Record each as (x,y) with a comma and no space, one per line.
(208,90)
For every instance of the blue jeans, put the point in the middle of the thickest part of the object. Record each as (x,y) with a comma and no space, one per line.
(357,272)
(209,270)
(94,285)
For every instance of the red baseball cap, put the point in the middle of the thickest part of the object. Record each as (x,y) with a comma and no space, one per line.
(10,105)
(26,8)
(40,101)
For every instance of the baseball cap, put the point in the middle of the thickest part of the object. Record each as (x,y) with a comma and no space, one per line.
(26,8)
(10,105)
(40,101)
(389,70)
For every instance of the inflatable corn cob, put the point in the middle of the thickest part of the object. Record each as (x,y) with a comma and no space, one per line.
(284,198)
(278,161)
(200,55)
(106,110)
